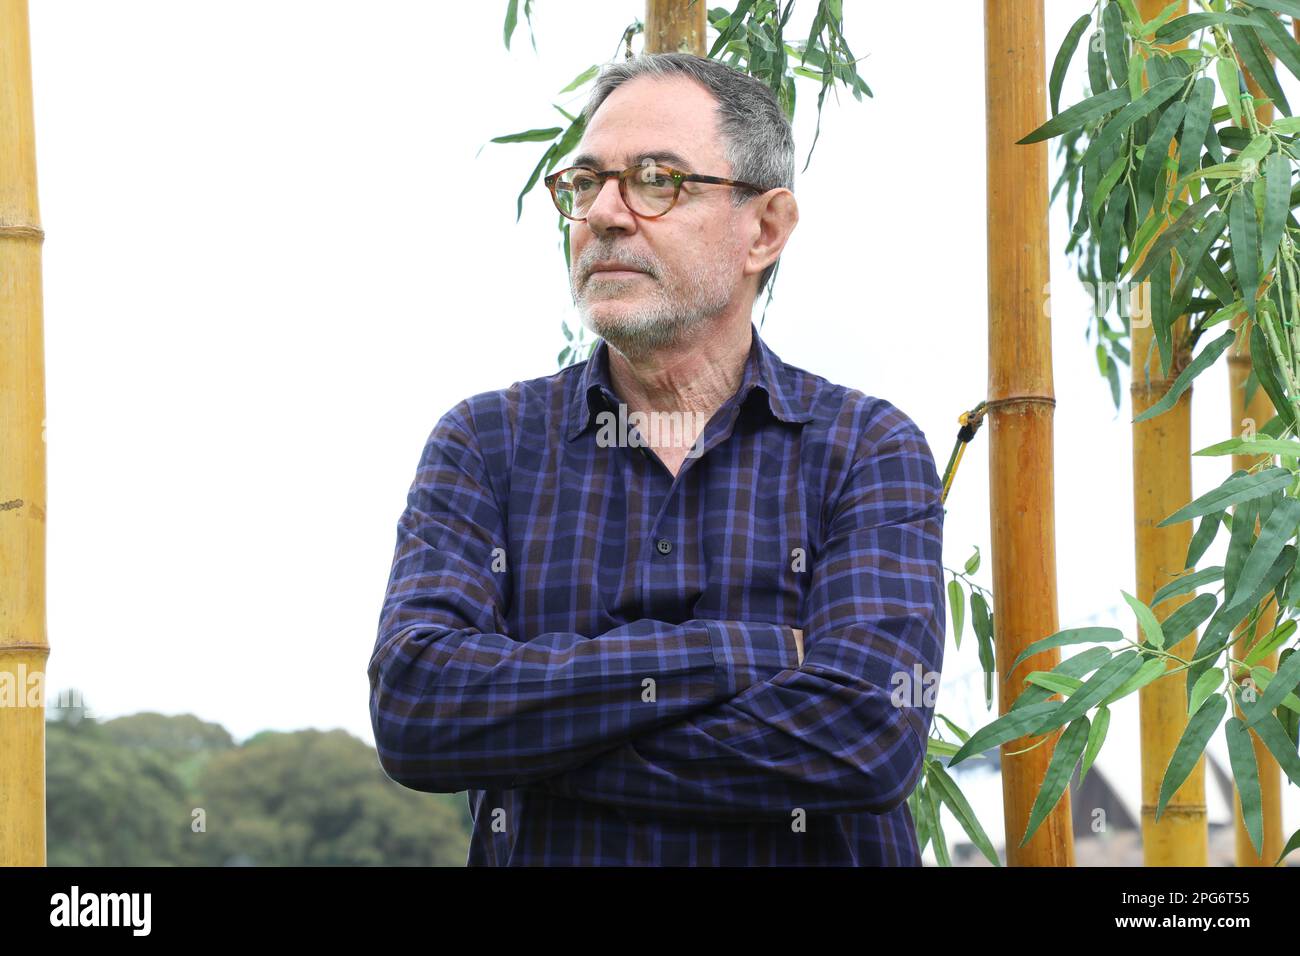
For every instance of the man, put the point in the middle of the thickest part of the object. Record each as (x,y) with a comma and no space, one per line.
(722,648)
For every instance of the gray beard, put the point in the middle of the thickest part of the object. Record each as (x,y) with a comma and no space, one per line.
(671,319)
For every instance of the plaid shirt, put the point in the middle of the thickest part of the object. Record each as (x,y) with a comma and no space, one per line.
(601,653)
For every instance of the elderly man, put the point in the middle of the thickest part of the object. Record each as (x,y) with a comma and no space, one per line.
(714,642)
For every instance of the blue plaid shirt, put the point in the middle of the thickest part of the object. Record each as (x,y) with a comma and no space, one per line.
(602,654)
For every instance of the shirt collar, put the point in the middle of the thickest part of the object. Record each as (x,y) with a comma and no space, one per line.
(763,369)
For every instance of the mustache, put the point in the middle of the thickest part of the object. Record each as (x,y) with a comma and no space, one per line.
(591,256)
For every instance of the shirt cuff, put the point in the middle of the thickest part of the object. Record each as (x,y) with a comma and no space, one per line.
(745,653)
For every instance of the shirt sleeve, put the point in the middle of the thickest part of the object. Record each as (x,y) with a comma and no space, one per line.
(456,703)
(845,731)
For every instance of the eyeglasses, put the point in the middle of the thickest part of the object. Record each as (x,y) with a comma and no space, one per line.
(649,190)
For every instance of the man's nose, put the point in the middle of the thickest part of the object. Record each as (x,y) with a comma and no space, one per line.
(608,211)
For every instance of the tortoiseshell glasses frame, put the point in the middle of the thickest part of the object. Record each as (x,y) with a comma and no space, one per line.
(651,191)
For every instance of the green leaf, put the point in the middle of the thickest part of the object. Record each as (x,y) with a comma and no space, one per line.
(1273,536)
(1246,247)
(1235,490)
(1188,582)
(582,78)
(1062,60)
(973,562)
(940,841)
(1150,670)
(1207,684)
(512,18)
(1055,683)
(982,621)
(1197,248)
(1230,83)
(1252,446)
(1012,725)
(1270,642)
(1107,184)
(1263,678)
(1116,46)
(1156,155)
(1278,39)
(1199,364)
(1255,150)
(1245,774)
(1281,746)
(1074,635)
(1109,677)
(1197,122)
(957,804)
(530,136)
(1075,667)
(956,607)
(1282,684)
(1206,532)
(954,728)
(1150,626)
(1188,617)
(1261,357)
(1097,68)
(934,747)
(1290,7)
(1159,309)
(1187,25)
(1060,769)
(1290,847)
(1193,214)
(1158,21)
(1096,737)
(1277,203)
(1195,736)
(1239,545)
(1112,234)
(1076,116)
(1254,59)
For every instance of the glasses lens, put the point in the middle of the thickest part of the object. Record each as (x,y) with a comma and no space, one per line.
(651,190)
(575,191)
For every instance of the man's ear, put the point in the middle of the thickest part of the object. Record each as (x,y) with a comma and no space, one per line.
(777,215)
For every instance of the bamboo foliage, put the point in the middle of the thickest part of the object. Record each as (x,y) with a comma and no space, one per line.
(1250,406)
(23,646)
(1228,249)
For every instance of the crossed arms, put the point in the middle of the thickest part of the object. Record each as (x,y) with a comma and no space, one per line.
(738,727)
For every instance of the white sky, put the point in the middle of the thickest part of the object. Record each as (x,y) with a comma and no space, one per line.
(259,299)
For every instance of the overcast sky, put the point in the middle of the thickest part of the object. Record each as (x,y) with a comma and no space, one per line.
(263,287)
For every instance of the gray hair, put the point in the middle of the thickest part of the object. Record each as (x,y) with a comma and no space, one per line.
(756,136)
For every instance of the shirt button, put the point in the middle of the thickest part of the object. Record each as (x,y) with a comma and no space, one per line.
(664,545)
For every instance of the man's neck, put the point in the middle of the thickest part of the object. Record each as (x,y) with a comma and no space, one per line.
(696,374)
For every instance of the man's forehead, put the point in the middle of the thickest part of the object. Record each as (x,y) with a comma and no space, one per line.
(680,131)
(667,157)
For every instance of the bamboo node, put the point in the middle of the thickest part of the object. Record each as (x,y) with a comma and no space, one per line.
(1019,400)
(22,232)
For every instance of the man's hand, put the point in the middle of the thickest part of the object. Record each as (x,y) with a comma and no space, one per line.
(798,642)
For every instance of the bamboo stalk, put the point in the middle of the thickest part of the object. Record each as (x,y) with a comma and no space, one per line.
(1162,483)
(1020,406)
(23,645)
(1260,411)
(675,26)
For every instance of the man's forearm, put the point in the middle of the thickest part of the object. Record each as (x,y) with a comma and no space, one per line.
(455,709)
